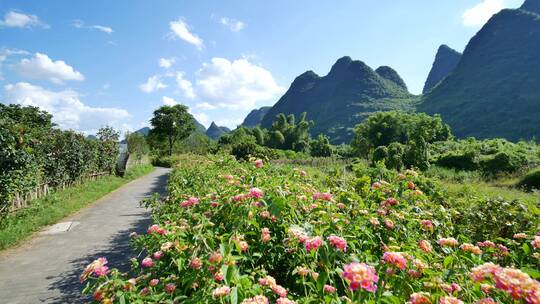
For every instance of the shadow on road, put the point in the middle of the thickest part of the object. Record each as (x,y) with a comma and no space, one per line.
(118,252)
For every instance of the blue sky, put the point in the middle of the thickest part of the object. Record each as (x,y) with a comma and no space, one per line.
(100,62)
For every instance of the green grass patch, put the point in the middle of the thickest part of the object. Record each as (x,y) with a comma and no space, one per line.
(57,205)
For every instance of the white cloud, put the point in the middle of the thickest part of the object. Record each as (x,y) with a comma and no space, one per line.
(152,84)
(168,101)
(230,123)
(233,24)
(42,67)
(205,106)
(5,54)
(201,117)
(166,62)
(16,19)
(479,14)
(185,86)
(103,28)
(181,30)
(68,111)
(235,85)
(81,25)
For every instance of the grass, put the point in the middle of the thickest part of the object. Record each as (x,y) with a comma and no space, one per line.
(57,205)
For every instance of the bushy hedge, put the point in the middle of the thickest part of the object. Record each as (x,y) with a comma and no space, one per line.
(531,181)
(492,157)
(33,152)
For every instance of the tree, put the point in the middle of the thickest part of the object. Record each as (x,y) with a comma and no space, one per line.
(321,147)
(172,124)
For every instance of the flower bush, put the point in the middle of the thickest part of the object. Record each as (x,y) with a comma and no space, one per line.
(249,232)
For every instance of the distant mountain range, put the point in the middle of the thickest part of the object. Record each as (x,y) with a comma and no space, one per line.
(338,101)
(215,132)
(255,117)
(494,91)
(491,90)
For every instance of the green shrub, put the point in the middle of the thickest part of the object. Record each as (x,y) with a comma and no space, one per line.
(531,180)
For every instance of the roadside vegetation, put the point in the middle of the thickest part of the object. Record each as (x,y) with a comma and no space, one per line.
(17,226)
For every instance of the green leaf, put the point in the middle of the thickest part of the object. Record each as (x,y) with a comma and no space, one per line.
(234,295)
(534,273)
(447,261)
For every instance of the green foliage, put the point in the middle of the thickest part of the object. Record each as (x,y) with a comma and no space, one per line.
(384,128)
(137,145)
(33,152)
(172,124)
(491,157)
(531,180)
(393,129)
(321,147)
(287,134)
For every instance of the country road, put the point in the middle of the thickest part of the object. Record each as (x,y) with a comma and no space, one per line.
(46,268)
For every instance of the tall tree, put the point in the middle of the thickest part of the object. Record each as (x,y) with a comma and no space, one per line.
(172,123)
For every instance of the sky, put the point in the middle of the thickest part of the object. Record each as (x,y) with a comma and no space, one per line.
(102,62)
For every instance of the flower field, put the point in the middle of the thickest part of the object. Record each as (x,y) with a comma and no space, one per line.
(253,232)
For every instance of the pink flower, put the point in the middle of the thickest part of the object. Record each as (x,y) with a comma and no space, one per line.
(229,177)
(256,300)
(360,275)
(221,292)
(536,242)
(470,248)
(192,201)
(396,259)
(145,291)
(258,163)
(256,193)
(156,229)
(101,271)
(158,255)
(265,235)
(154,282)
(519,236)
(147,262)
(418,298)
(243,246)
(427,225)
(327,196)
(218,276)
(425,246)
(169,288)
(389,223)
(313,243)
(279,290)
(329,289)
(337,242)
(450,242)
(195,263)
(450,300)
(215,257)
(97,265)
(488,244)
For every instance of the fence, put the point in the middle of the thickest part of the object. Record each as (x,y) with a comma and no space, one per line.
(21,200)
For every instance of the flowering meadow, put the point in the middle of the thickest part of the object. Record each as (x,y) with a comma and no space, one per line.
(253,233)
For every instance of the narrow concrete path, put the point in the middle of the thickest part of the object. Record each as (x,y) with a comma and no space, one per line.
(46,268)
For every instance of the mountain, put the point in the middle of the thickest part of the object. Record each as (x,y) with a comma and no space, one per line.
(143,131)
(215,132)
(199,126)
(532,6)
(494,90)
(338,101)
(255,117)
(445,62)
(388,73)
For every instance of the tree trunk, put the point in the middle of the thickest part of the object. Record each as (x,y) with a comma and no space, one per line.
(170,145)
